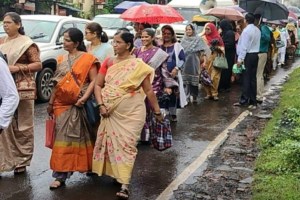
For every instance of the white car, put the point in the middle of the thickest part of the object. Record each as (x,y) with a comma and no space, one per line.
(46,31)
(111,23)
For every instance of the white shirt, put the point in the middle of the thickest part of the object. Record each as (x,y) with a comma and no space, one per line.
(249,42)
(284,36)
(8,94)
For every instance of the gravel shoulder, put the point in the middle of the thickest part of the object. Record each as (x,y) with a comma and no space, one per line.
(229,171)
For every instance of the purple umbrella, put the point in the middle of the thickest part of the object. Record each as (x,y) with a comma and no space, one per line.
(123,6)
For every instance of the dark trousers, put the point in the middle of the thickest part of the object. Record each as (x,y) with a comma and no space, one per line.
(225,80)
(249,79)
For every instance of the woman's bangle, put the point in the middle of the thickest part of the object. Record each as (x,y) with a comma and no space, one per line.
(157,113)
(100,105)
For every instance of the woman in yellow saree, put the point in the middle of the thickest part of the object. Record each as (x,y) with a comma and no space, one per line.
(74,83)
(121,86)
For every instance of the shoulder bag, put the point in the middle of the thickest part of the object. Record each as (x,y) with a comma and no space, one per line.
(220,62)
(26,86)
(90,106)
(279,44)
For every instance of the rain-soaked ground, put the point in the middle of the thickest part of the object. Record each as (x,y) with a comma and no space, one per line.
(197,125)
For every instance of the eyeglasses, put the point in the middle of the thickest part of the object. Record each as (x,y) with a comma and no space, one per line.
(117,42)
(167,33)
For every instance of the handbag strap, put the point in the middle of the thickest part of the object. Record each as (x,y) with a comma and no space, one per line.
(24,75)
(71,71)
(74,77)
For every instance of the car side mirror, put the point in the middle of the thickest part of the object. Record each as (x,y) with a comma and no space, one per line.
(60,40)
(130,28)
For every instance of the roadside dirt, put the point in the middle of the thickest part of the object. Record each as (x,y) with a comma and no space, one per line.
(229,171)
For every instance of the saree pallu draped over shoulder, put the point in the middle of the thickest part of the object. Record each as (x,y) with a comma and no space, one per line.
(17,141)
(115,148)
(73,146)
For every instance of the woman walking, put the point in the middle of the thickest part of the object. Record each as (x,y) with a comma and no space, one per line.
(174,64)
(99,46)
(215,42)
(228,37)
(121,86)
(16,143)
(195,56)
(154,57)
(74,82)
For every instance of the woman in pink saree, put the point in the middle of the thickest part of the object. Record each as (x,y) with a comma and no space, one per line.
(122,84)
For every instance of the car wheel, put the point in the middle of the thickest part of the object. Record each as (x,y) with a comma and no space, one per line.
(44,84)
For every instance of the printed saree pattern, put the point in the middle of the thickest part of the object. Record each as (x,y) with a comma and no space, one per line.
(115,149)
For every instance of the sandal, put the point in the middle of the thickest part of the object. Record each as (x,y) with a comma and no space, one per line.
(57,184)
(123,194)
(19,170)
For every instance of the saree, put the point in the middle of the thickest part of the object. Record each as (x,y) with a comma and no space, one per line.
(154,57)
(103,51)
(73,145)
(115,148)
(16,142)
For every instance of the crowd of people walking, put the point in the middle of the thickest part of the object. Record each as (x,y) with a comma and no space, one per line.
(132,80)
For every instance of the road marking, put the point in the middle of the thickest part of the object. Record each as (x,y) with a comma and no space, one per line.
(187,172)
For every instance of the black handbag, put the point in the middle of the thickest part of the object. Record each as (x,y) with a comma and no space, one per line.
(92,111)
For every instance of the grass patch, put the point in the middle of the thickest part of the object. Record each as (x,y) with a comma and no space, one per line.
(273,187)
(277,169)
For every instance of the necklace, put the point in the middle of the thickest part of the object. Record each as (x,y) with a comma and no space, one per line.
(72,58)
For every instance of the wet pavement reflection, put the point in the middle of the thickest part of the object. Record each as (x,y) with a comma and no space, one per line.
(198,124)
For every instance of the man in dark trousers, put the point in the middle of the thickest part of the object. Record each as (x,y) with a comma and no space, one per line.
(247,51)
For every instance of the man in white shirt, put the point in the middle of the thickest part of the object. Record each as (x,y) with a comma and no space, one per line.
(247,51)
(8,95)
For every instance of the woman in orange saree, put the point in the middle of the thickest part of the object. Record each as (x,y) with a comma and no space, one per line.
(74,83)
(121,86)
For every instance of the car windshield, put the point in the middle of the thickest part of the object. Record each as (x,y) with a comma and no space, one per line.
(2,32)
(37,30)
(109,22)
(188,13)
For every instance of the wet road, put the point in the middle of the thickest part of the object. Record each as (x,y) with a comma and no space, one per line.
(197,125)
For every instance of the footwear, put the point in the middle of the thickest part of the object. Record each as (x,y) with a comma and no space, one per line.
(259,101)
(191,99)
(208,97)
(194,99)
(20,170)
(90,173)
(57,184)
(252,107)
(123,194)
(173,118)
(216,98)
(237,104)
